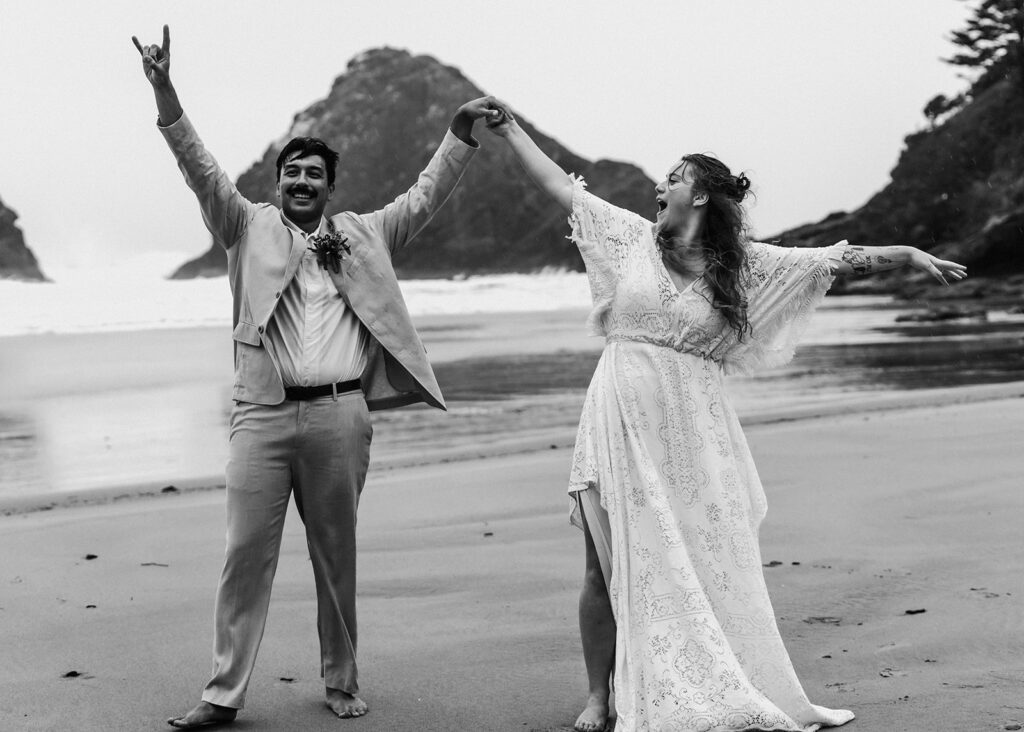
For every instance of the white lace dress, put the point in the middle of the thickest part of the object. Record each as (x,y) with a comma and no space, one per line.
(697,645)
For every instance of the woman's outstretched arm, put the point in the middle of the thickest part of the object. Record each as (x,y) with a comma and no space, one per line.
(544,171)
(858,260)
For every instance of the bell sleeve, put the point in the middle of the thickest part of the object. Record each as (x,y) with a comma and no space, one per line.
(784,287)
(607,237)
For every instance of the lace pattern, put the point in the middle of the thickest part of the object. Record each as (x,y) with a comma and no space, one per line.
(697,643)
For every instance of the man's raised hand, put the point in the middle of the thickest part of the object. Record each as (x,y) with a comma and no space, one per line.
(156,60)
(156,65)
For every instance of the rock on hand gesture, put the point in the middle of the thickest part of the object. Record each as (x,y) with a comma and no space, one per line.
(156,60)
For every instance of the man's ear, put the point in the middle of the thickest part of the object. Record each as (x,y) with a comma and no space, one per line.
(700,199)
(277,188)
(330,192)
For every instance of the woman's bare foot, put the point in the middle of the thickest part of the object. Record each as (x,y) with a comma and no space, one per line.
(204,714)
(345,705)
(594,718)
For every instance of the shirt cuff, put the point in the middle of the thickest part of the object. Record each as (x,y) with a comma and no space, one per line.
(456,148)
(179,130)
(462,142)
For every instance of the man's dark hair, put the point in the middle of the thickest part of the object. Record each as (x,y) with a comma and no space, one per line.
(306,146)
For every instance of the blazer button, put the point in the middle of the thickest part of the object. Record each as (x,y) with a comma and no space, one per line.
(277,294)
(259,329)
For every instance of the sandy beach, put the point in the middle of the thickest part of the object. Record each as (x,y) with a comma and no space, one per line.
(469,575)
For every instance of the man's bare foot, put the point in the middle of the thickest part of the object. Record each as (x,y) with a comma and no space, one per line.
(204,714)
(594,718)
(345,705)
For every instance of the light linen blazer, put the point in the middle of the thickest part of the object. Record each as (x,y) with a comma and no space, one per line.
(263,255)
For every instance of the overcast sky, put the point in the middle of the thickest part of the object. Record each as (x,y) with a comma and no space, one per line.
(811,97)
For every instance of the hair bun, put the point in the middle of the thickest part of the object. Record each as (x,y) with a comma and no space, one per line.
(741,184)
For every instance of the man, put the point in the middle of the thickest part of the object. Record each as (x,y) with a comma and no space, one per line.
(320,339)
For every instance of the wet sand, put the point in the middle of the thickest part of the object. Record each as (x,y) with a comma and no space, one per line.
(87,416)
(469,574)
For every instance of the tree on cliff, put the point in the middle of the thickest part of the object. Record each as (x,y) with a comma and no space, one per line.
(939,106)
(992,42)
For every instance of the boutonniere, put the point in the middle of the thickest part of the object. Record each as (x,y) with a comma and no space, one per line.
(330,249)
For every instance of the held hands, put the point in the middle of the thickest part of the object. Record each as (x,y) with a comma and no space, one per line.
(482,107)
(156,60)
(496,114)
(470,112)
(940,269)
(501,123)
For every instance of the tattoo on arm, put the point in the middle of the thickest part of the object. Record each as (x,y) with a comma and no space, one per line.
(860,262)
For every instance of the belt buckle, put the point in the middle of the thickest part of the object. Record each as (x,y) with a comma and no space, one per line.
(334,390)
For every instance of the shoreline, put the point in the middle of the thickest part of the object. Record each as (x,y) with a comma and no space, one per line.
(518,444)
(469,578)
(107,417)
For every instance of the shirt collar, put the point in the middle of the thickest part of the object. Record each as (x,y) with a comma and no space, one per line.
(294,227)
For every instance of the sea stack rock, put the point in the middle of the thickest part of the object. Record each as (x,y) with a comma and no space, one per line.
(16,260)
(385,116)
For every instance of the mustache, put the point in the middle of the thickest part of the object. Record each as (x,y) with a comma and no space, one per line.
(299,188)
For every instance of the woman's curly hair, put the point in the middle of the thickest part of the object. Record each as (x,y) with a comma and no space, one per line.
(722,237)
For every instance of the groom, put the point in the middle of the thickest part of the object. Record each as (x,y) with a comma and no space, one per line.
(321,337)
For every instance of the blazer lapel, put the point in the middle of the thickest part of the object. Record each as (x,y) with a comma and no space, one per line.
(342,283)
(295,254)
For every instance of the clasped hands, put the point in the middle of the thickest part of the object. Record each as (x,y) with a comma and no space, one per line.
(500,122)
(494,111)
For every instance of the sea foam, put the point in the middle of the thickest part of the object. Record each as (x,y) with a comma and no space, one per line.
(136,295)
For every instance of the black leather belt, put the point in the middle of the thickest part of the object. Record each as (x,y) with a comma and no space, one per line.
(301,393)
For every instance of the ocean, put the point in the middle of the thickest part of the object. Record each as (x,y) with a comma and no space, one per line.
(136,295)
(121,378)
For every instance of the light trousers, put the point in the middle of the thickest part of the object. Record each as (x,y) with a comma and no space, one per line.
(320,449)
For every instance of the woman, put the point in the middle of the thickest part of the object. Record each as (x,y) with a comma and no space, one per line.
(662,481)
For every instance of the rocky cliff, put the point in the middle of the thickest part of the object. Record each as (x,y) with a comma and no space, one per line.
(16,259)
(957,191)
(385,116)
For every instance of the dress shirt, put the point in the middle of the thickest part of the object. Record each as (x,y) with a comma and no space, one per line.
(313,337)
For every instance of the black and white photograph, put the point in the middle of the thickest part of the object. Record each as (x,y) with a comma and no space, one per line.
(580,366)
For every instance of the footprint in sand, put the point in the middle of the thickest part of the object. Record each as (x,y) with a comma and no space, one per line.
(823,620)
(983,591)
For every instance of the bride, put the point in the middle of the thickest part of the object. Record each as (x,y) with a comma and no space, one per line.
(663,485)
